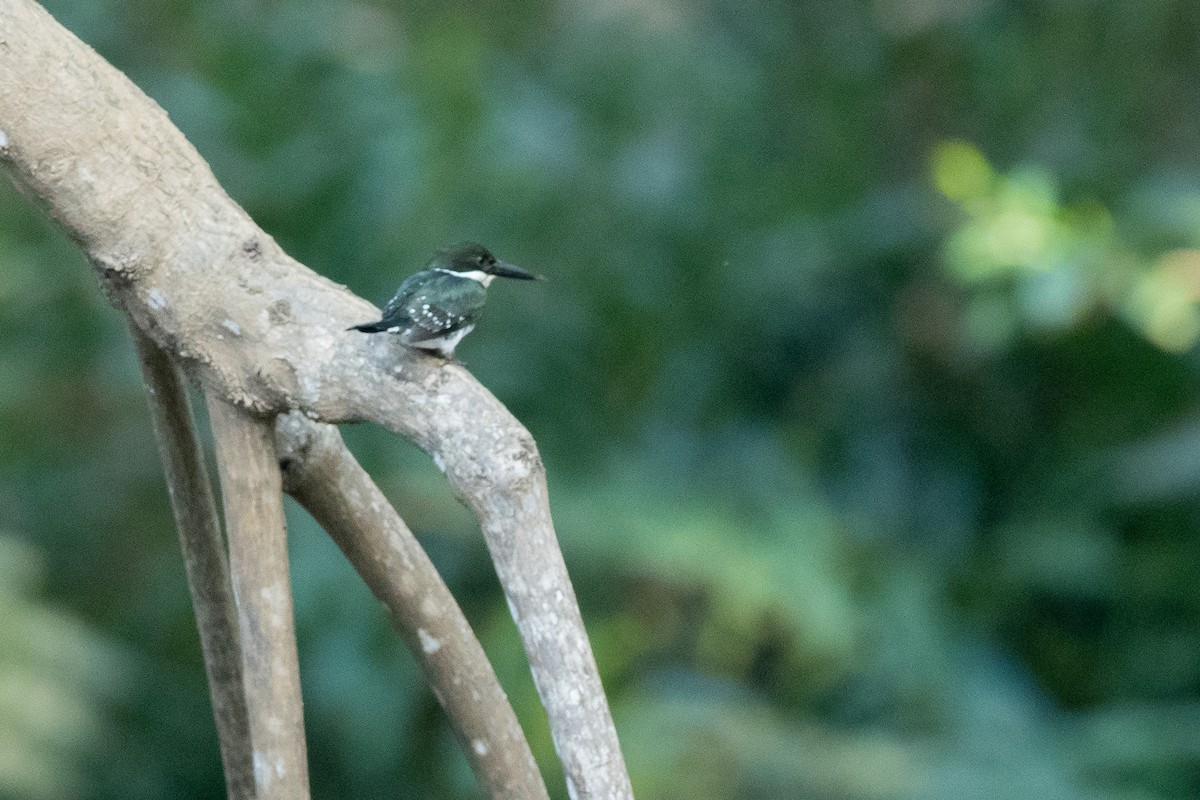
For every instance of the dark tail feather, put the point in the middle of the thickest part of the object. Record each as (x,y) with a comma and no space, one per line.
(369,327)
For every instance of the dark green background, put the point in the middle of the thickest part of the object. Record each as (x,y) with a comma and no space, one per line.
(865,376)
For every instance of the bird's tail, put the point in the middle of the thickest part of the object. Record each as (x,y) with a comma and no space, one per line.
(369,327)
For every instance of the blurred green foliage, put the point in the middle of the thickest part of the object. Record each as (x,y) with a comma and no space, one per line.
(865,375)
(56,678)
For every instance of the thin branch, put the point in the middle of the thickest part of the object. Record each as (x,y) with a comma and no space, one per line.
(204,559)
(252,494)
(262,331)
(322,474)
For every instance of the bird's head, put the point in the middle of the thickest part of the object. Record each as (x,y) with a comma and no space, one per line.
(472,257)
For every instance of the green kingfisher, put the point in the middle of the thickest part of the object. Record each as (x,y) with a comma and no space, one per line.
(435,308)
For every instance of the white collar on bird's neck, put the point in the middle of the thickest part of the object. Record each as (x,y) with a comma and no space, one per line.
(477,275)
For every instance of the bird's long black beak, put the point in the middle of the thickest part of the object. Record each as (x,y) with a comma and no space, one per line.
(503,269)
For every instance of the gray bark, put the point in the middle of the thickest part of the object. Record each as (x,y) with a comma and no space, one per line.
(205,560)
(260,331)
(253,497)
(320,472)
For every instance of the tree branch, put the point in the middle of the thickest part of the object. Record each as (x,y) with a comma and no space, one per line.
(204,559)
(253,498)
(322,474)
(261,331)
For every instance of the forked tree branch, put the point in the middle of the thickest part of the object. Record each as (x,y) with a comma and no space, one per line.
(322,474)
(252,494)
(204,558)
(259,330)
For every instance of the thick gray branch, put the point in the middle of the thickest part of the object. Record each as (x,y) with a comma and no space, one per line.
(253,497)
(262,331)
(204,559)
(322,474)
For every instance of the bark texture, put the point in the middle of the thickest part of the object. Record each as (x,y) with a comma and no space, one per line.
(253,497)
(322,474)
(260,331)
(205,561)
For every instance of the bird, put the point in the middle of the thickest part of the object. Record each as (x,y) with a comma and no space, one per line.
(435,308)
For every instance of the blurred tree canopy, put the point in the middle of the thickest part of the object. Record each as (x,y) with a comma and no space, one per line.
(865,375)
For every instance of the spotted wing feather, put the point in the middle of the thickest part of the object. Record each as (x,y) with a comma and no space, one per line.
(430,306)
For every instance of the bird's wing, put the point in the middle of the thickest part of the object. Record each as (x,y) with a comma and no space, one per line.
(394,311)
(439,304)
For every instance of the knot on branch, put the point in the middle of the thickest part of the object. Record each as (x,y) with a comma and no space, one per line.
(122,266)
(299,442)
(252,248)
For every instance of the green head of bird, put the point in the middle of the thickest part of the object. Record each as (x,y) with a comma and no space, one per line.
(472,257)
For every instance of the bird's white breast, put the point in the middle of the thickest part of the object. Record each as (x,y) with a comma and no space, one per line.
(444,344)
